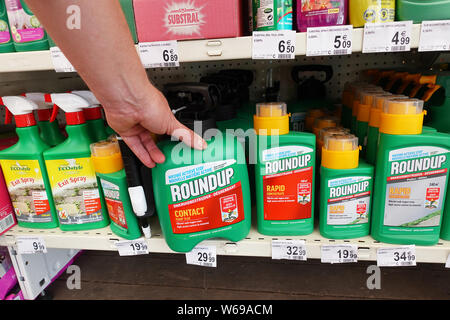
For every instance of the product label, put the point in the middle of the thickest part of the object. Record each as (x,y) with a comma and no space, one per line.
(416,186)
(5,37)
(379,11)
(116,212)
(183,18)
(24,27)
(204,197)
(315,12)
(349,200)
(297,121)
(265,14)
(75,190)
(6,218)
(287,182)
(27,191)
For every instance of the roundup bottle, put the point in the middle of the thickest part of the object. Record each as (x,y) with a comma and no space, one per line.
(357,101)
(284,174)
(412,175)
(109,166)
(202,194)
(6,43)
(49,131)
(93,114)
(78,200)
(24,168)
(311,117)
(345,189)
(363,116)
(329,131)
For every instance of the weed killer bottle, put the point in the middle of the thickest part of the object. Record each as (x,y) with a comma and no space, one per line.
(202,194)
(24,168)
(412,177)
(6,43)
(345,189)
(93,114)
(284,174)
(49,131)
(74,184)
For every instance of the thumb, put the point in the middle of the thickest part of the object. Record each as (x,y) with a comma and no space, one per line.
(187,136)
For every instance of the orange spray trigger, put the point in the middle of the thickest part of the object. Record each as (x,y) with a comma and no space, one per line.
(54,113)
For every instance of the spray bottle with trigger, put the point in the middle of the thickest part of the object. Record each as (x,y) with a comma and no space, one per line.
(93,115)
(49,131)
(78,199)
(24,168)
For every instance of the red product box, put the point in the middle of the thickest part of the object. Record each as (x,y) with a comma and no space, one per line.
(158,20)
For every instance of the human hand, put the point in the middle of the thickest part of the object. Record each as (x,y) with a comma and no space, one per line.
(134,119)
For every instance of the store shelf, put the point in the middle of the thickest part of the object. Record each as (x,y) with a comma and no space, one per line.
(189,51)
(254,245)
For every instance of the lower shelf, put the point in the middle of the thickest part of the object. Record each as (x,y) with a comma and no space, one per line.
(254,245)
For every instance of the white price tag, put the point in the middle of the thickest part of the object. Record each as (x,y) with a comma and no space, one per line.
(204,256)
(132,247)
(329,41)
(274,44)
(447,264)
(340,253)
(60,62)
(435,36)
(387,37)
(159,54)
(30,244)
(289,250)
(396,256)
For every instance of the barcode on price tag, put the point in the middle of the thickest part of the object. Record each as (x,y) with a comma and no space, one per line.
(132,247)
(204,256)
(435,36)
(396,256)
(60,62)
(30,244)
(289,250)
(340,253)
(387,37)
(159,54)
(274,44)
(329,41)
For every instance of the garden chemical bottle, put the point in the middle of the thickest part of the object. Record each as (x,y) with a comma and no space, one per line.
(269,15)
(140,187)
(311,117)
(345,189)
(412,175)
(369,11)
(420,10)
(284,174)
(109,166)
(6,43)
(75,187)
(329,131)
(363,116)
(27,32)
(24,168)
(202,194)
(93,115)
(374,124)
(324,122)
(49,131)
(357,100)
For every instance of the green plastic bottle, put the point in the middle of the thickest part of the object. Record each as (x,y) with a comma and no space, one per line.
(411,177)
(110,170)
(24,169)
(27,32)
(421,10)
(272,15)
(345,189)
(78,199)
(284,173)
(202,194)
(93,114)
(445,230)
(49,131)
(6,42)
(363,117)
(437,101)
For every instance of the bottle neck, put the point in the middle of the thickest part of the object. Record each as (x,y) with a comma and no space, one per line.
(44,114)
(25,120)
(30,134)
(75,118)
(93,113)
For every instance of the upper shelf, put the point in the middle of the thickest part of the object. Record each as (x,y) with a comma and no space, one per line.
(189,51)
